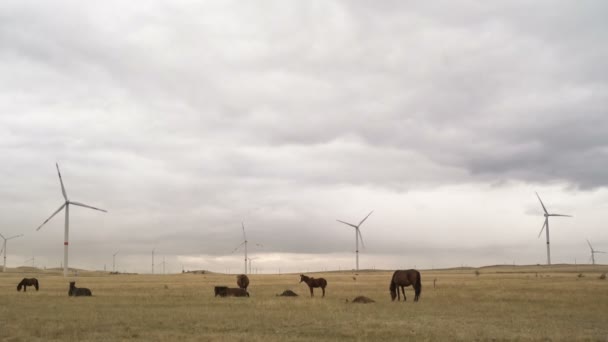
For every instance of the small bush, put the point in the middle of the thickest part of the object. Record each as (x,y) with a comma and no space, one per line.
(580,275)
(603,276)
(477,273)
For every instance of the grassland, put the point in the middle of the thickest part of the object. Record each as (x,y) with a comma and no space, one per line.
(502,303)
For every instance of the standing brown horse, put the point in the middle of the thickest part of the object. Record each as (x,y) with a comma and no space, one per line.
(312,282)
(405,278)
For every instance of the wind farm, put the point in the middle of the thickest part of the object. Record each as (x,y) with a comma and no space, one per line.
(438,135)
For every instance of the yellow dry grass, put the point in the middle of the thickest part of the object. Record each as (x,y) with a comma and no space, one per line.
(504,303)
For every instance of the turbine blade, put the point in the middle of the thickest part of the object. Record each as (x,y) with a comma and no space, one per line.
(560,215)
(589,243)
(541,203)
(48,219)
(598,252)
(349,224)
(87,206)
(65,196)
(541,230)
(2,236)
(237,247)
(361,238)
(360,223)
(116,252)
(16,236)
(244,236)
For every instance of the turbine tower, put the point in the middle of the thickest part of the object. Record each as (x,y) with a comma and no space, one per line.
(357,235)
(114,261)
(4,247)
(546,224)
(66,205)
(593,252)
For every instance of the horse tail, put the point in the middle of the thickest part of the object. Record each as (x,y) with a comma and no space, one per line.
(36,284)
(418,285)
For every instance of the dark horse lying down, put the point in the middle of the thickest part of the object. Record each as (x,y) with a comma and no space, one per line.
(75,291)
(405,278)
(27,282)
(312,282)
(225,291)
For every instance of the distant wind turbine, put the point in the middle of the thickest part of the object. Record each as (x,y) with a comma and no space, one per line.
(114,261)
(593,252)
(357,235)
(546,224)
(243,243)
(66,205)
(153,260)
(4,247)
(32,259)
(250,269)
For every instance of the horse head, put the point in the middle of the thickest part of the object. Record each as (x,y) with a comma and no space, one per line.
(303,278)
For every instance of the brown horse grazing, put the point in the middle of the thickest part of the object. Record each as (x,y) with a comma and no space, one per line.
(312,282)
(27,282)
(76,292)
(405,278)
(242,281)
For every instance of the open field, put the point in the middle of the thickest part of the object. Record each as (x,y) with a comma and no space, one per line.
(524,303)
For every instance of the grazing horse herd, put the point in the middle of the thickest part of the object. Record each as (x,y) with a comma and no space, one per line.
(400,279)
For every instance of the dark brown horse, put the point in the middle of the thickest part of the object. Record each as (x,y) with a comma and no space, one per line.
(242,281)
(405,278)
(27,282)
(312,282)
(78,291)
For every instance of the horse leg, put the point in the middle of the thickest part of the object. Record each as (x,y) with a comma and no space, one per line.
(403,290)
(323,288)
(311,293)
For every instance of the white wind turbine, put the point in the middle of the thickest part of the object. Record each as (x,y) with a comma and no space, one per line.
(357,235)
(593,252)
(4,247)
(546,224)
(114,261)
(66,205)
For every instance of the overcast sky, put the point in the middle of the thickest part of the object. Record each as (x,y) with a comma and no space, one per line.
(185,118)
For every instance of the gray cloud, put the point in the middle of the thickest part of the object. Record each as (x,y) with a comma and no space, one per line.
(184,117)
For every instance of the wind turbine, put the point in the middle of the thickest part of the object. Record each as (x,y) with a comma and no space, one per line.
(546,224)
(593,251)
(250,263)
(66,205)
(32,259)
(357,235)
(153,260)
(243,243)
(114,261)
(4,247)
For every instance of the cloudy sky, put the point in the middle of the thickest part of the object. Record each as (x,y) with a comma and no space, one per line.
(185,118)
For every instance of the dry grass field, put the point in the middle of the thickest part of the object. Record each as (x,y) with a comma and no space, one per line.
(502,303)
